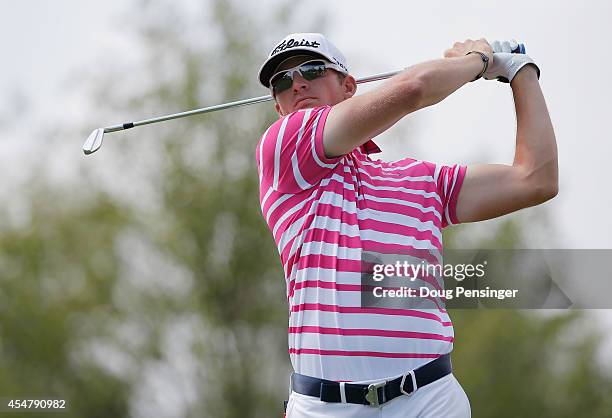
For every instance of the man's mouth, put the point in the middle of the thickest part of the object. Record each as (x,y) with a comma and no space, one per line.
(302,101)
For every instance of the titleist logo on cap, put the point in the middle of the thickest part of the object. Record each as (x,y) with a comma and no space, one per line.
(340,64)
(292,43)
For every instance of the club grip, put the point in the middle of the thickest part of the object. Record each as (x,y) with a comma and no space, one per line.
(520,49)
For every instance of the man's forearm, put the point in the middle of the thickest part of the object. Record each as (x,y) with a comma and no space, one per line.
(439,78)
(536,147)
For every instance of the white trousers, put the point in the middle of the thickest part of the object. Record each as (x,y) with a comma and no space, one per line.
(444,398)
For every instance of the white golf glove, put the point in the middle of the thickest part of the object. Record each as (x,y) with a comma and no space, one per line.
(505,63)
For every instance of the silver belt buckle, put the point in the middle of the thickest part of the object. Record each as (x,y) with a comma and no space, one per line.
(372,395)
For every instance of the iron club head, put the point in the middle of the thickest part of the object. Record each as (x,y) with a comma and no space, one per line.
(94,141)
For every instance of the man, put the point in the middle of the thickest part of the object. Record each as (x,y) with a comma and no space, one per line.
(327,203)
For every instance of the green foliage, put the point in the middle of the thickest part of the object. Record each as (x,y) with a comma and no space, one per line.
(52,271)
(515,363)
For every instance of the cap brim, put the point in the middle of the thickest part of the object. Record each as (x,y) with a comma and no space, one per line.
(267,69)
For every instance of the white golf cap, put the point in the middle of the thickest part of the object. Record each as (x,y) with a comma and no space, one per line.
(300,44)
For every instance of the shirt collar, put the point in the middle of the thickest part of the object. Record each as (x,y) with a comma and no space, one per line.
(370,148)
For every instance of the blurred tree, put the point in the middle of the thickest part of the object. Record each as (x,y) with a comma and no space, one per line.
(521,363)
(177,309)
(52,271)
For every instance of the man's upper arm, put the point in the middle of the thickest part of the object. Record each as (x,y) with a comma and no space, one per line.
(492,190)
(358,119)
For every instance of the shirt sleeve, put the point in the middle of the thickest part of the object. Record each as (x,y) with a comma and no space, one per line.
(448,179)
(290,154)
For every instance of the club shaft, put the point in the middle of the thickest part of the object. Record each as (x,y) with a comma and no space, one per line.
(224,106)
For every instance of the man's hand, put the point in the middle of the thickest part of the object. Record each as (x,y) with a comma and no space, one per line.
(459,49)
(507,64)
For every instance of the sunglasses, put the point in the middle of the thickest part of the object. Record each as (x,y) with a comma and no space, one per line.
(309,70)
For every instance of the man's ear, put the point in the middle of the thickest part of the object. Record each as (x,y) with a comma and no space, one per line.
(350,86)
(278,110)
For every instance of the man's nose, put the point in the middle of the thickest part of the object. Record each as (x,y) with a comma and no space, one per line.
(299,82)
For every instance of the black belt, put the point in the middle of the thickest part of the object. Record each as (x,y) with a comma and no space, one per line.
(373,394)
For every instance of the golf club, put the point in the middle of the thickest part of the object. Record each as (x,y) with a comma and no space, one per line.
(94,141)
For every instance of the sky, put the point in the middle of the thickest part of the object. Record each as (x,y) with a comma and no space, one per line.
(46,46)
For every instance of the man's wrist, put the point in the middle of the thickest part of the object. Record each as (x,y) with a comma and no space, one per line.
(528,73)
(483,59)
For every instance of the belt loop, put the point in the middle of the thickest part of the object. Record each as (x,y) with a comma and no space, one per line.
(414,383)
(342,393)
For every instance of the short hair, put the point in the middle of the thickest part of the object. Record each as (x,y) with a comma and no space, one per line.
(341,76)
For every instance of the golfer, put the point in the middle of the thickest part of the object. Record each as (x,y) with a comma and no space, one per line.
(327,201)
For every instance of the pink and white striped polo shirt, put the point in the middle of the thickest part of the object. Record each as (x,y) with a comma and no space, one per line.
(324,213)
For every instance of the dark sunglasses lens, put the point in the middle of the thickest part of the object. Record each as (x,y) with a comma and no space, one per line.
(281,82)
(312,71)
